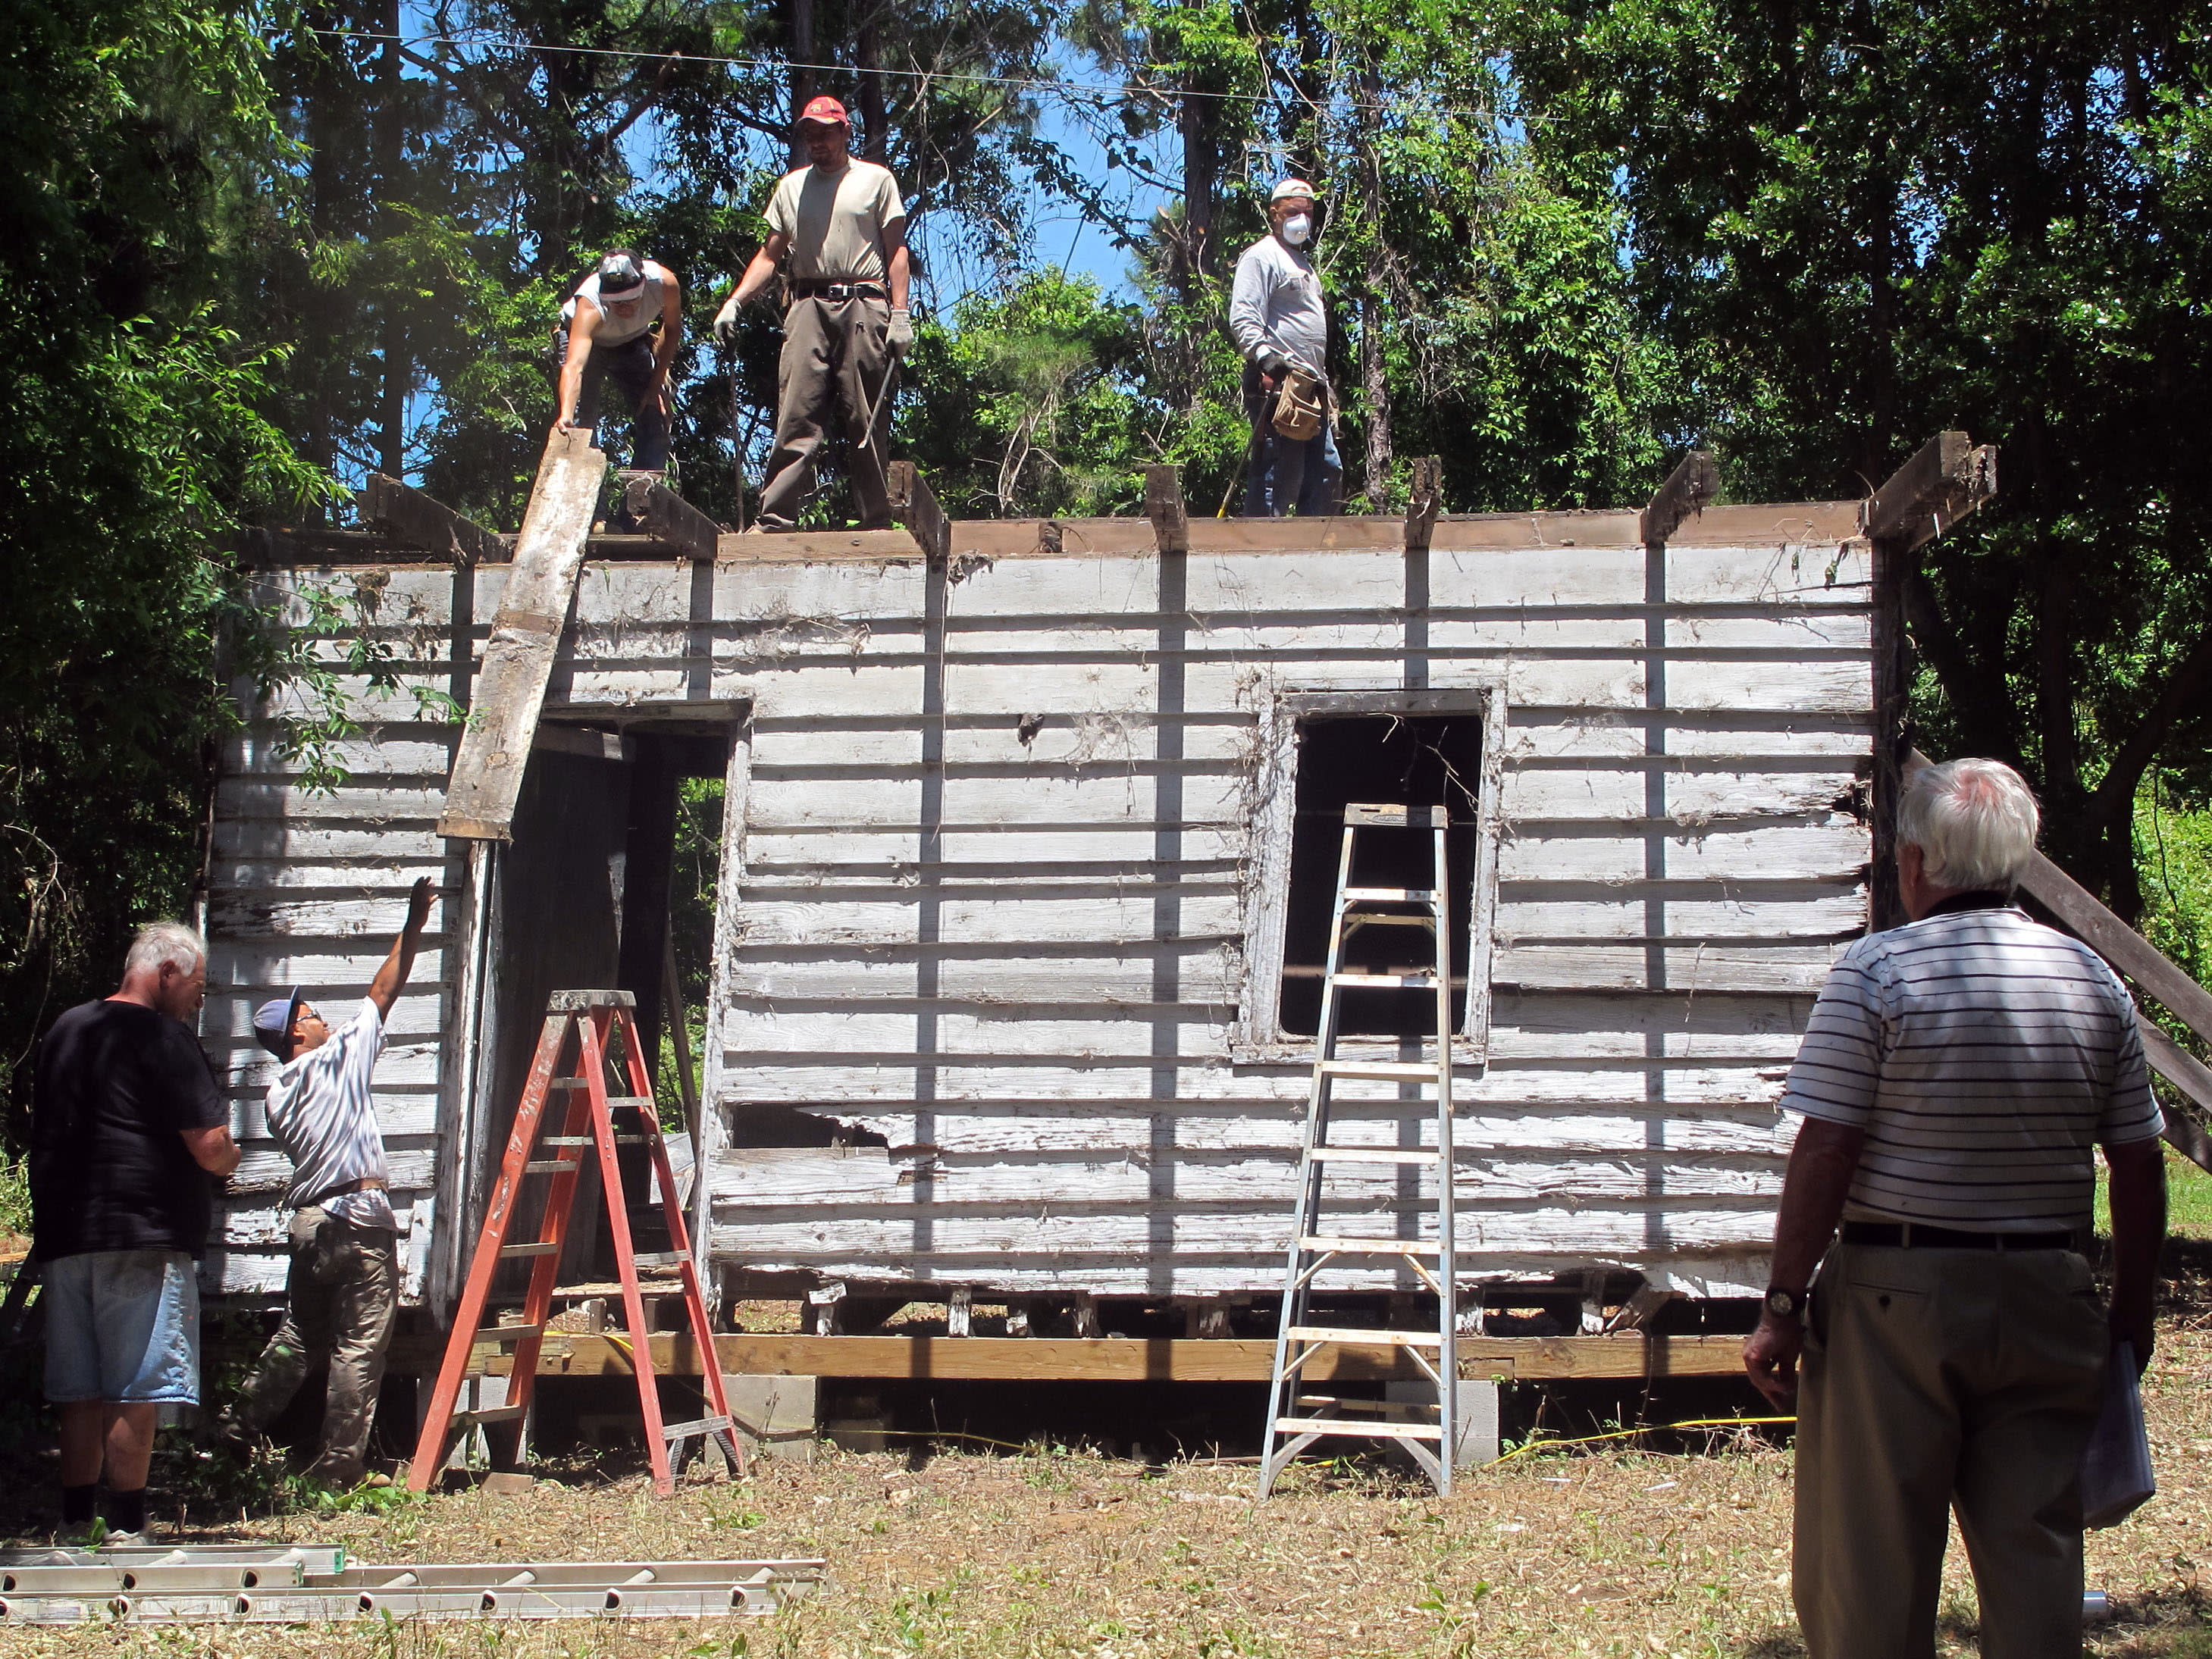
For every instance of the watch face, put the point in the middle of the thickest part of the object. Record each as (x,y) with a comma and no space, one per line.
(1782,1304)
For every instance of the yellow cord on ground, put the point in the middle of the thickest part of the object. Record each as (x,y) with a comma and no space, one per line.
(1628,1434)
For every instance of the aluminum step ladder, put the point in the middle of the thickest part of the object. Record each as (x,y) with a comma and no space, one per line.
(1298,1415)
(604,1029)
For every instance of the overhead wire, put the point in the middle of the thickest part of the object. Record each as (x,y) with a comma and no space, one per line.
(1073,90)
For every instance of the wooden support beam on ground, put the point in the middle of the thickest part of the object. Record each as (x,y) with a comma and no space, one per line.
(1114,1359)
(509,690)
(668,517)
(914,504)
(1163,507)
(2194,1078)
(1947,479)
(1687,489)
(1425,502)
(2078,911)
(407,515)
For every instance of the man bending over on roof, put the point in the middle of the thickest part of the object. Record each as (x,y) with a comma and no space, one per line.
(606,332)
(344,1286)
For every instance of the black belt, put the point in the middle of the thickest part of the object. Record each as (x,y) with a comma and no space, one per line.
(811,290)
(366,1184)
(1919,1235)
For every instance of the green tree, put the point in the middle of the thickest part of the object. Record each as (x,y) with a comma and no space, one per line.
(134,448)
(1858,222)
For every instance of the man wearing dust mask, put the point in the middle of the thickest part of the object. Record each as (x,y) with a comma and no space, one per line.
(1281,330)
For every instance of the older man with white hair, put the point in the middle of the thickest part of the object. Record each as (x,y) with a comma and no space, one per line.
(129,1136)
(1955,1076)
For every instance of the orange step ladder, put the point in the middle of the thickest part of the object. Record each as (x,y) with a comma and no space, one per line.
(600,1022)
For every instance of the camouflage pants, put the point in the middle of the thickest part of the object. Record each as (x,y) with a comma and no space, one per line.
(339,1300)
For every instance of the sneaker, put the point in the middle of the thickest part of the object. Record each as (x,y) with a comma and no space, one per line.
(144,1539)
(84,1536)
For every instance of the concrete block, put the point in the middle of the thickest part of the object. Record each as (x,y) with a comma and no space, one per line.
(775,1414)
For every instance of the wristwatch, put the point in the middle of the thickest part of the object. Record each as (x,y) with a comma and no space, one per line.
(1784,1305)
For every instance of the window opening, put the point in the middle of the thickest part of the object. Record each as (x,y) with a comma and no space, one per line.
(1410,760)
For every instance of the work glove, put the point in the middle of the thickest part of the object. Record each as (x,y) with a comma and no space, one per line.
(1274,365)
(900,338)
(726,322)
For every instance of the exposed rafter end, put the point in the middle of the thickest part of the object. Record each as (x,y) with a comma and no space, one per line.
(914,504)
(407,515)
(1947,479)
(1163,507)
(1425,502)
(668,517)
(1685,495)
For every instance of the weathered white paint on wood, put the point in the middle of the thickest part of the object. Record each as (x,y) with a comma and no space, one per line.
(989,892)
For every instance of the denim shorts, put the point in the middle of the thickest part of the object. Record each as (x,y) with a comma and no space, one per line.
(121,1326)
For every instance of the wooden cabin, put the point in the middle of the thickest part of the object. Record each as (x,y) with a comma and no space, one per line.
(1028,845)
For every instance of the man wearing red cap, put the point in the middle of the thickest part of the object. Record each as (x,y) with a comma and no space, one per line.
(842,224)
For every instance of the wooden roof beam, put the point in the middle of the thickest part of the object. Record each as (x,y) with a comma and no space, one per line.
(914,504)
(1425,502)
(1947,479)
(1163,507)
(407,515)
(1688,488)
(668,517)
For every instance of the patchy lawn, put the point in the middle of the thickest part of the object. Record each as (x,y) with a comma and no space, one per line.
(1056,1553)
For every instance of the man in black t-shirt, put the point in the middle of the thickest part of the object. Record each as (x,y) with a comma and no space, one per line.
(129,1136)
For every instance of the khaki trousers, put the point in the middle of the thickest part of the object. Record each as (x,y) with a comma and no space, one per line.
(834,353)
(1934,1379)
(339,1300)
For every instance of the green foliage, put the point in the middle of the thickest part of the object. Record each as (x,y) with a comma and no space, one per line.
(134,448)
(1030,405)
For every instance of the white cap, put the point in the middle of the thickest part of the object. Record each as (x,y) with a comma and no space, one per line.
(1293,187)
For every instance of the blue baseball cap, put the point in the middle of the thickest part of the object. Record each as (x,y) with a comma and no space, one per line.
(272,1024)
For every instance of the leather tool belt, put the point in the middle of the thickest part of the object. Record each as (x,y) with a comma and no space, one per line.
(816,290)
(1918,1235)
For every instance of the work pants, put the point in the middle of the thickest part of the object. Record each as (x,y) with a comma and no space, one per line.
(836,365)
(1286,473)
(339,1301)
(629,366)
(1937,1378)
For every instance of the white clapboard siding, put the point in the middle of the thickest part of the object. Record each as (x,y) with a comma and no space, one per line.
(997,835)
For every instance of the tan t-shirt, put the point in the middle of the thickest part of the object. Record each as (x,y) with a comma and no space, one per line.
(836,222)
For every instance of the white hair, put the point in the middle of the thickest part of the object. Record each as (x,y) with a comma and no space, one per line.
(164,941)
(1974,821)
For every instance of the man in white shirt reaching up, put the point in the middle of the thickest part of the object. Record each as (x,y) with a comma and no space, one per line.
(343,1288)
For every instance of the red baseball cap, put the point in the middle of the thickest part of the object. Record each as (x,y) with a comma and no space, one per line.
(828,111)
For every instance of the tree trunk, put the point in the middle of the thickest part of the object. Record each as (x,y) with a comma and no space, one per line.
(875,134)
(392,422)
(1194,257)
(802,71)
(1375,386)
(1374,363)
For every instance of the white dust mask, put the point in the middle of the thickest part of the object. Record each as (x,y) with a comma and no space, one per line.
(1297,228)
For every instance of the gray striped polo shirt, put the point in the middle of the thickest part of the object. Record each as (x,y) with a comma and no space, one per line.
(1984,1055)
(322,1113)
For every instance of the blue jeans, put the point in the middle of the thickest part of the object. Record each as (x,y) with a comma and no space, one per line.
(629,366)
(1286,473)
(122,1326)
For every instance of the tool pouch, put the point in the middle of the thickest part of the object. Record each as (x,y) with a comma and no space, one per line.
(1300,404)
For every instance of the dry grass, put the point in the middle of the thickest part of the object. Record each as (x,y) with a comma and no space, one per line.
(1059,1554)
(1053,1553)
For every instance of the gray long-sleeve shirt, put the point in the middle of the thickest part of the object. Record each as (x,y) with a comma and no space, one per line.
(1276,306)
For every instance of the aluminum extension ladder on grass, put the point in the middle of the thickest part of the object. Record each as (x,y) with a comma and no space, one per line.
(598,1021)
(1297,1416)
